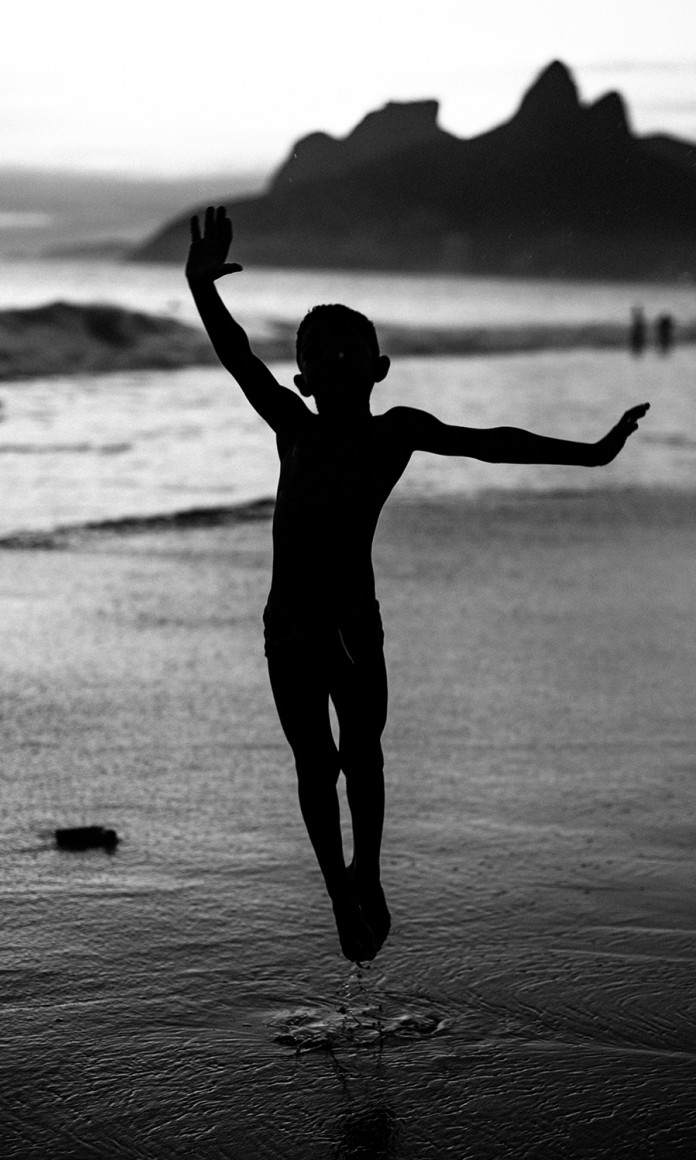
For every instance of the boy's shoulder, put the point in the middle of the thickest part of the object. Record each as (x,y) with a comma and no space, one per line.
(404,424)
(400,428)
(402,416)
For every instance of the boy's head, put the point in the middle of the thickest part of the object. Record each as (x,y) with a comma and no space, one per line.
(338,357)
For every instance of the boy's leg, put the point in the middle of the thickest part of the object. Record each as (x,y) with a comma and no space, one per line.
(359,692)
(301,695)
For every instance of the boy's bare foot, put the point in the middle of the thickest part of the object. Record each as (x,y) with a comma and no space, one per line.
(357,940)
(373,906)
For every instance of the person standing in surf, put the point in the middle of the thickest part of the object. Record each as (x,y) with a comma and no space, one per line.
(322,626)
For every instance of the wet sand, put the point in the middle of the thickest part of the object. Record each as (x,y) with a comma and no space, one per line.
(185,996)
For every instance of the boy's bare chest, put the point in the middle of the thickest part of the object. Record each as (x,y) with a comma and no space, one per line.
(341,471)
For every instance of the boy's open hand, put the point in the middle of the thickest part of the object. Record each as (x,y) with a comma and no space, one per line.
(207,257)
(608,447)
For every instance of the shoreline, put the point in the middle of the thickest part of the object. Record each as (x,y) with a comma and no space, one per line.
(674,505)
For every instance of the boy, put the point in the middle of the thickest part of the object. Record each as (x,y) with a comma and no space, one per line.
(323,633)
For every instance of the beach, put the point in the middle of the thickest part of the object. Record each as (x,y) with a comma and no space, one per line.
(185,995)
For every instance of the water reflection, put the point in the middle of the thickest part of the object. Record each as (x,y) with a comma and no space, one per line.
(369,1131)
(359,1036)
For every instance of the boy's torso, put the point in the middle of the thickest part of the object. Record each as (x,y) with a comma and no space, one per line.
(334,481)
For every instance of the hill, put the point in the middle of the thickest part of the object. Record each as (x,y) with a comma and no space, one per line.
(561,189)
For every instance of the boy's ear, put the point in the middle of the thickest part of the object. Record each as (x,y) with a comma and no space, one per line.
(382,368)
(299,381)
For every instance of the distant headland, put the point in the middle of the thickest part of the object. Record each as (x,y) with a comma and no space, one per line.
(562,189)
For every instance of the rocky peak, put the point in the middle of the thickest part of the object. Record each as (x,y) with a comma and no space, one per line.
(395,126)
(398,123)
(552,100)
(608,117)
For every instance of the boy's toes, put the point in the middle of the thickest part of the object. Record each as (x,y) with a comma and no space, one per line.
(357,940)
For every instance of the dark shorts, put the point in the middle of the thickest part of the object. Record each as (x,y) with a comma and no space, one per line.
(338,660)
(357,634)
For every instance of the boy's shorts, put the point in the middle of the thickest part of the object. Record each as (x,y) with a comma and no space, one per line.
(358,634)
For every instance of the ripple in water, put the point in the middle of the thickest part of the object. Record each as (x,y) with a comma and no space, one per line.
(356,1022)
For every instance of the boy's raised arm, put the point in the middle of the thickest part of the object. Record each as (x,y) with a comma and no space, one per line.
(424,432)
(207,261)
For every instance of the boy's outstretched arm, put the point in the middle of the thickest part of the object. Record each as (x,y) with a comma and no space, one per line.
(423,432)
(207,261)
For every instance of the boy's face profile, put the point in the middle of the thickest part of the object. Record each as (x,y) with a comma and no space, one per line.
(338,366)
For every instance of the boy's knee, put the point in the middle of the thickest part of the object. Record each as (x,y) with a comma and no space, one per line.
(316,766)
(362,760)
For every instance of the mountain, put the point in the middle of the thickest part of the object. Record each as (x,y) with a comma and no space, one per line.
(562,188)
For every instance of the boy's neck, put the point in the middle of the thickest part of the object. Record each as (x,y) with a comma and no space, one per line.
(345,418)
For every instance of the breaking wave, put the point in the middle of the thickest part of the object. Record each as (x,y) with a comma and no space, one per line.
(64,338)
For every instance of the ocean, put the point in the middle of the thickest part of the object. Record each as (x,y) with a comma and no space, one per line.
(88,448)
(185,995)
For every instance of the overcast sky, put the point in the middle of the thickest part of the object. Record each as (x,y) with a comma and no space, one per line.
(170,88)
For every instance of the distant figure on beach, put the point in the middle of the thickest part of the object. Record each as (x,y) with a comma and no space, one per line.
(638,333)
(323,632)
(664,333)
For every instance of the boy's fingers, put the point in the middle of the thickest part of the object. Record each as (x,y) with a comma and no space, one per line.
(195,229)
(637,412)
(223,221)
(209,219)
(630,418)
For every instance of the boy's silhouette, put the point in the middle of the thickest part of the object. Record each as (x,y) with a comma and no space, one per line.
(323,631)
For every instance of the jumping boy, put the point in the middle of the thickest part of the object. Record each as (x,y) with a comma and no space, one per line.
(323,633)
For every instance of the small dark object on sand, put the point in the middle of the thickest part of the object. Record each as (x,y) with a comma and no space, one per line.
(86,837)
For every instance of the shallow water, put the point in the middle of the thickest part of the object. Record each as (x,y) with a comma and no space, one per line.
(102,447)
(185,996)
(85,448)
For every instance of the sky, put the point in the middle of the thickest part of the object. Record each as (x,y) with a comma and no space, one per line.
(163,88)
